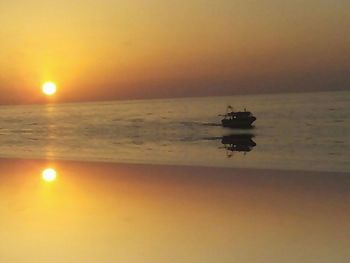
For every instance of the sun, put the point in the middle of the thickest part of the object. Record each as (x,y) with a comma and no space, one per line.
(49,88)
(49,175)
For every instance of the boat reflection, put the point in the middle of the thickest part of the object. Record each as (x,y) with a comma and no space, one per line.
(238,143)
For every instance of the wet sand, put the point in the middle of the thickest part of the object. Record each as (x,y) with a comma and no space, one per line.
(95,212)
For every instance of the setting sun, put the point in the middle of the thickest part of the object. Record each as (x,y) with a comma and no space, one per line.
(49,88)
(49,175)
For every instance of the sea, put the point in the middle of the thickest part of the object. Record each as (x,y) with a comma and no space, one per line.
(162,181)
(301,131)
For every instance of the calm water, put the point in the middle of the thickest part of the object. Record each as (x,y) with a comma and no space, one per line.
(294,131)
(68,192)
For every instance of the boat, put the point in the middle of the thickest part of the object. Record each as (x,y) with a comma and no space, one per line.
(237,119)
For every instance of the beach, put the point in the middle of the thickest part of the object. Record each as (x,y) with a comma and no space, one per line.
(96,212)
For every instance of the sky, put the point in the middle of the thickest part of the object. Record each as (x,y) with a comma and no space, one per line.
(122,49)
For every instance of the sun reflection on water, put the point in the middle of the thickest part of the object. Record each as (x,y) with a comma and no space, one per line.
(49,175)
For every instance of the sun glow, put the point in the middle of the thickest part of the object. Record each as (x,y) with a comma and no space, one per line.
(49,175)
(49,88)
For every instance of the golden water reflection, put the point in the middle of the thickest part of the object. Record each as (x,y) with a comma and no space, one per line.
(134,213)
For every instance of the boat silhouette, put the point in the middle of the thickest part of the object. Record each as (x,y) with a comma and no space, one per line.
(237,119)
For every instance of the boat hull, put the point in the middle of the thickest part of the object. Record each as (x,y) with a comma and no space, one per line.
(238,123)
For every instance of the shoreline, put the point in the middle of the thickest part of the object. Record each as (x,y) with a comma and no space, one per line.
(9,161)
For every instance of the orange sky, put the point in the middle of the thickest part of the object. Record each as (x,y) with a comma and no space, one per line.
(111,49)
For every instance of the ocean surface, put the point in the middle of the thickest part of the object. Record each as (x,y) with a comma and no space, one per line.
(305,131)
(78,181)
